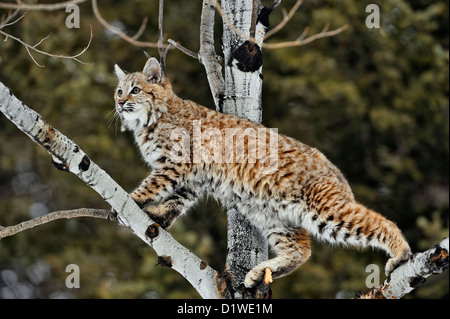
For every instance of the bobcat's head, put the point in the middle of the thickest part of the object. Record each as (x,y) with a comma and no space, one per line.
(142,97)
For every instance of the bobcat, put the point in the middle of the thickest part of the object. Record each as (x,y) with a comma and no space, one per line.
(288,194)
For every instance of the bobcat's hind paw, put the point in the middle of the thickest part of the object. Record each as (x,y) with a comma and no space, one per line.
(394,262)
(256,275)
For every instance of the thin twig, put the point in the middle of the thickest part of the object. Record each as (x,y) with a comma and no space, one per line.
(39,7)
(160,29)
(42,40)
(161,50)
(254,18)
(141,29)
(119,32)
(303,35)
(32,58)
(183,49)
(302,41)
(275,4)
(6,24)
(59,56)
(67,214)
(285,19)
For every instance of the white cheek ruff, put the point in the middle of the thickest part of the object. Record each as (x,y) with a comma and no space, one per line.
(136,119)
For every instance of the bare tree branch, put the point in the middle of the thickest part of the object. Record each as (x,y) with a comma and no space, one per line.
(161,33)
(70,157)
(302,40)
(5,22)
(183,49)
(141,30)
(412,273)
(285,20)
(47,218)
(120,33)
(161,50)
(21,6)
(38,6)
(29,47)
(207,54)
(254,18)
(62,5)
(43,39)
(275,4)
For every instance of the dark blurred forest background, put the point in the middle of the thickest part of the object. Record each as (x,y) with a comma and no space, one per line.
(375,101)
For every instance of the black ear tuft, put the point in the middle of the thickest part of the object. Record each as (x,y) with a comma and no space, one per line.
(148,56)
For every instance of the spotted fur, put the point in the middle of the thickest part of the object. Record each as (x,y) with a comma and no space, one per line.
(288,196)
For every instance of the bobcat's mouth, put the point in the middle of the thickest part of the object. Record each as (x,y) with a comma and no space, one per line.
(125,108)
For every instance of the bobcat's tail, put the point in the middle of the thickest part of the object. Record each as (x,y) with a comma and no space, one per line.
(356,225)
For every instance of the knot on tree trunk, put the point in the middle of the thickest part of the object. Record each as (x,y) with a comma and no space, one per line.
(247,57)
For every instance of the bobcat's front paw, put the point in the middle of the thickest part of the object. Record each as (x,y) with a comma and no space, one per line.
(161,215)
(138,199)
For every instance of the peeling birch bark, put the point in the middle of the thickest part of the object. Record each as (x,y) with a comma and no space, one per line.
(412,273)
(68,156)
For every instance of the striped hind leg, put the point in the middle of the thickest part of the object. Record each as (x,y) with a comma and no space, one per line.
(292,249)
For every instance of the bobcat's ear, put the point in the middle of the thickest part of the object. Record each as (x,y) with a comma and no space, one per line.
(120,74)
(152,70)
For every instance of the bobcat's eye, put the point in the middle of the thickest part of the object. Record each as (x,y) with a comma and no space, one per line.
(119,93)
(135,90)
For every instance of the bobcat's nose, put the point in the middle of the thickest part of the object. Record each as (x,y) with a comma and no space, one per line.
(121,104)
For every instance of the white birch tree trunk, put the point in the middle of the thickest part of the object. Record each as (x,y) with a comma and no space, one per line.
(239,93)
(247,247)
